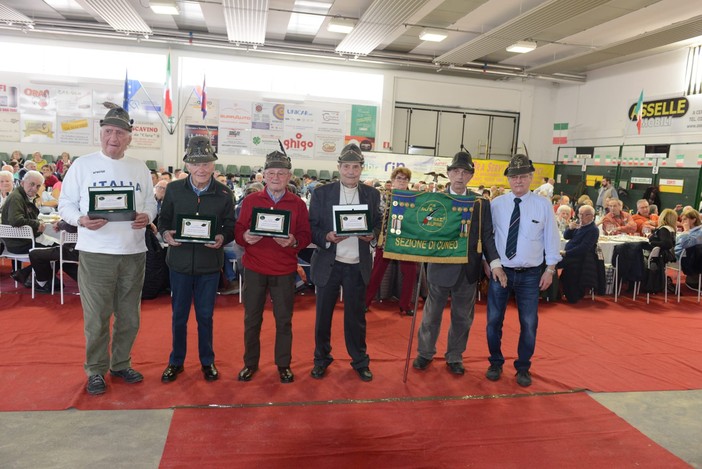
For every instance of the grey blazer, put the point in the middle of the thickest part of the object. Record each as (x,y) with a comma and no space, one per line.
(446,275)
(323,199)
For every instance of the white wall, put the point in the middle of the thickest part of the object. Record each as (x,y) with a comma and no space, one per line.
(596,110)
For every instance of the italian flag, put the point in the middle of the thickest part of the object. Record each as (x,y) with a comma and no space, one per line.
(679,161)
(167,91)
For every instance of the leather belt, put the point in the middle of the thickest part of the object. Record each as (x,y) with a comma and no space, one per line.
(520,269)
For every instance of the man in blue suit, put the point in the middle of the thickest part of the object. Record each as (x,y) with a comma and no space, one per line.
(342,261)
(456,280)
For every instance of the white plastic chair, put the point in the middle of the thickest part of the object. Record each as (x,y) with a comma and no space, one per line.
(65,238)
(17,232)
(678,285)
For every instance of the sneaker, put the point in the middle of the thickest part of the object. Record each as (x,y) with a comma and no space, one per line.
(523,378)
(96,385)
(494,372)
(129,375)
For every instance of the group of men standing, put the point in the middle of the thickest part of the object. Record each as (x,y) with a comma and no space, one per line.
(111,269)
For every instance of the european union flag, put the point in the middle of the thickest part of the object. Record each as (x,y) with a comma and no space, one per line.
(131,87)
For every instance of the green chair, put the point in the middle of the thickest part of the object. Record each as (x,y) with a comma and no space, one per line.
(4,156)
(219,167)
(245,170)
(152,165)
(48,158)
(324,175)
(298,172)
(232,169)
(312,172)
(335,175)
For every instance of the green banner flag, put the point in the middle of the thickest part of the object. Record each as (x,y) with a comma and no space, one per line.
(428,227)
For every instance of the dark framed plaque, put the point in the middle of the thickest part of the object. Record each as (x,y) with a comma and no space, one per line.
(195,229)
(114,203)
(270,222)
(352,222)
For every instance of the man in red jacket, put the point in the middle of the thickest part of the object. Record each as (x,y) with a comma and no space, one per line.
(270,247)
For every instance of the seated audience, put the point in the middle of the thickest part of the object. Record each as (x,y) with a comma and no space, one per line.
(18,210)
(38,160)
(563,217)
(692,232)
(664,238)
(50,178)
(63,164)
(645,222)
(7,184)
(617,221)
(579,268)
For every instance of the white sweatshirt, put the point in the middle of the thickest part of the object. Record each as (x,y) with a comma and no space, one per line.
(99,170)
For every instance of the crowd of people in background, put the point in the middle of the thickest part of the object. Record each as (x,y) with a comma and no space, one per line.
(31,187)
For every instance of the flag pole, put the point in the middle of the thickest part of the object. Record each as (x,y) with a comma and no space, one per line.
(414,319)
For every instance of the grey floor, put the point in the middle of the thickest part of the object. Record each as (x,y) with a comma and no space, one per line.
(136,438)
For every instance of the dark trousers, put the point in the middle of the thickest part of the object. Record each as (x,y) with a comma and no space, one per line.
(41,258)
(349,277)
(200,290)
(282,291)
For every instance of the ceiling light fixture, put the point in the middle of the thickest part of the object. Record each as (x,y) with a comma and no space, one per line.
(340,25)
(522,47)
(164,7)
(432,35)
(246,20)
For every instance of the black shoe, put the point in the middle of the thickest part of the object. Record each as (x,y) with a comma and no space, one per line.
(286,374)
(365,374)
(20,276)
(456,368)
(96,385)
(420,363)
(493,373)
(407,312)
(247,373)
(129,375)
(523,378)
(210,372)
(171,373)
(318,371)
(46,288)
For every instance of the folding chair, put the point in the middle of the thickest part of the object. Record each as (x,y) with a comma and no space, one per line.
(17,232)
(65,238)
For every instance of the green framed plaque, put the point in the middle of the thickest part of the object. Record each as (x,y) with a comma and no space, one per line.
(195,229)
(352,222)
(270,222)
(115,203)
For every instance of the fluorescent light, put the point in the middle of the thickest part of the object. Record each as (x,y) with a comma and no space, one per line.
(522,47)
(432,35)
(340,25)
(246,21)
(164,7)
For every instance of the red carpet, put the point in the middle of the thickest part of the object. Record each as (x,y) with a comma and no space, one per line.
(557,431)
(601,346)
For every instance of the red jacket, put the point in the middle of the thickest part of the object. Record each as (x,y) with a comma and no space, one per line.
(266,256)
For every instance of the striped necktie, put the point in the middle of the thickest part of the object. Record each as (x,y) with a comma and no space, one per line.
(513,233)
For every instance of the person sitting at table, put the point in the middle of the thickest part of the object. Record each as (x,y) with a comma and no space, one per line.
(564,201)
(645,222)
(38,160)
(563,217)
(617,221)
(583,200)
(50,178)
(19,210)
(664,238)
(579,267)
(63,164)
(690,240)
